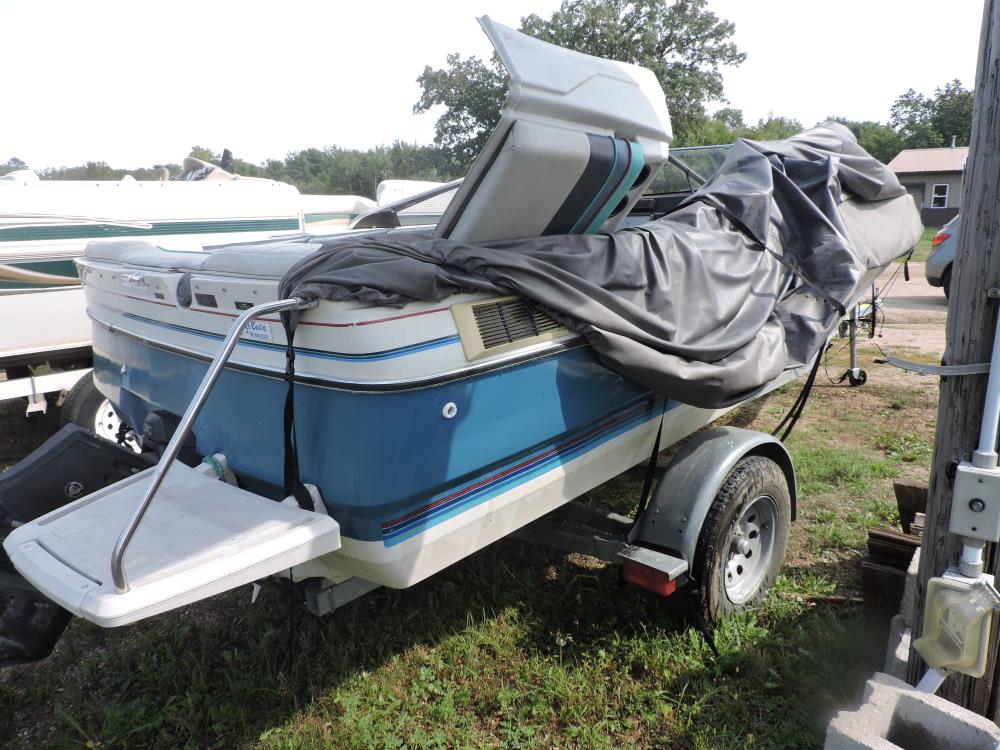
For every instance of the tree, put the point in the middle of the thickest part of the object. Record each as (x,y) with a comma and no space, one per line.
(731,117)
(953,113)
(924,122)
(878,139)
(683,43)
(910,117)
(772,129)
(710,131)
(205,154)
(472,95)
(12,164)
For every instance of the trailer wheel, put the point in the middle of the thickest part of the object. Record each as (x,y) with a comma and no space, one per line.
(743,539)
(86,406)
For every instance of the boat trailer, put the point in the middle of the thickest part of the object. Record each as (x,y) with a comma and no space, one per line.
(653,549)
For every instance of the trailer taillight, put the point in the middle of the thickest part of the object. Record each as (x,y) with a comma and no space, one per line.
(648,578)
(938,238)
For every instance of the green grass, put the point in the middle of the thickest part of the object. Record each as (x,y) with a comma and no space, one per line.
(490,657)
(924,245)
(827,468)
(904,446)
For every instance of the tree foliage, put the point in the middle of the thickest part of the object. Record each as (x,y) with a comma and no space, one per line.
(329,171)
(682,42)
(930,122)
(12,164)
(877,138)
(472,94)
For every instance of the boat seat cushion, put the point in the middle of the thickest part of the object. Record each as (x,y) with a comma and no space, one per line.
(270,259)
(567,181)
(265,259)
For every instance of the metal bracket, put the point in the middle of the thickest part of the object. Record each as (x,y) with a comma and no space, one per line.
(978,368)
(323,596)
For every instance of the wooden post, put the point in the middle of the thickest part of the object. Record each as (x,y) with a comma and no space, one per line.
(972,318)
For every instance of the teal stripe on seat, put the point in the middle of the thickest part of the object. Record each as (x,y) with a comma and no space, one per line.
(593,201)
(636,162)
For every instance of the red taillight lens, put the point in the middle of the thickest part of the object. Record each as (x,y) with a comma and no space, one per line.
(938,238)
(648,578)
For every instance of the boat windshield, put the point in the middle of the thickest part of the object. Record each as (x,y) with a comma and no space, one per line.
(688,169)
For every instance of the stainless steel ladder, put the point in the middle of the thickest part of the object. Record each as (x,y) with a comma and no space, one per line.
(187,421)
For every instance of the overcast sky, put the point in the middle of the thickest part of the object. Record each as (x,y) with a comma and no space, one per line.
(136,83)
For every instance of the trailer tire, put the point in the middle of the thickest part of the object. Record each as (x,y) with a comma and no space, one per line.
(86,406)
(82,404)
(743,539)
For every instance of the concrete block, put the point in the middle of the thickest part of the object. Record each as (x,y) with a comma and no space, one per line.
(898,652)
(909,603)
(895,716)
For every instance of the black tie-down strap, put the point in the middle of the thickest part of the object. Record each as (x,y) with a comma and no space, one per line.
(647,482)
(293,485)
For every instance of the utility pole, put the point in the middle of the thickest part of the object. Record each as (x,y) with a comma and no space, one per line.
(972,319)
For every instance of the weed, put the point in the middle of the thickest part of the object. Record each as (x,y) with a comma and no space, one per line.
(898,399)
(904,446)
(824,468)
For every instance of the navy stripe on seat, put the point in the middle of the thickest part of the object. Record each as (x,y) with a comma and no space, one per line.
(581,197)
(619,168)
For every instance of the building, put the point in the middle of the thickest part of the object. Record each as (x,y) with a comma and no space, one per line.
(933,176)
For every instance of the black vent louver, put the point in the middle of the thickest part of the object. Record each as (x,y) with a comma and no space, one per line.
(510,320)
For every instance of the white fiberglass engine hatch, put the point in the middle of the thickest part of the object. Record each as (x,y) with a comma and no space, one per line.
(200,537)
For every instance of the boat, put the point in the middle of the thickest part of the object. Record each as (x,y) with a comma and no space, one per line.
(46,224)
(368,410)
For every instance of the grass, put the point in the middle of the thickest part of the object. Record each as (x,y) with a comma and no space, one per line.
(905,446)
(924,245)
(517,646)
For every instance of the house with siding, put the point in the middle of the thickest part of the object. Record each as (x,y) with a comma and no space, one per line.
(933,176)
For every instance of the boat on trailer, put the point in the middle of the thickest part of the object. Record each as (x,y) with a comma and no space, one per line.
(344,441)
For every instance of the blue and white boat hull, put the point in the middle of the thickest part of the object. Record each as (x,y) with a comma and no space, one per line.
(421,456)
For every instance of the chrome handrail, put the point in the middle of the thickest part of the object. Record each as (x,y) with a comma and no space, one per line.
(184,427)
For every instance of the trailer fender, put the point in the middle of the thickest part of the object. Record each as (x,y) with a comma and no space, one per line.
(673,519)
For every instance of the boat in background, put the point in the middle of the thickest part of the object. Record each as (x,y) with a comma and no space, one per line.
(46,224)
(320,213)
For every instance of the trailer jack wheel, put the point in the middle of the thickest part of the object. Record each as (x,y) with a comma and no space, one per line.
(860,379)
(743,540)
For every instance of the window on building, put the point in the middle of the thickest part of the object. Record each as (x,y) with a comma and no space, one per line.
(939,196)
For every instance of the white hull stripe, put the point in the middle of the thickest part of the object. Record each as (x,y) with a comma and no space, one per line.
(401,351)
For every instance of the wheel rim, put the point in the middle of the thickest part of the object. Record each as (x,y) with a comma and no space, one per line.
(750,549)
(107,423)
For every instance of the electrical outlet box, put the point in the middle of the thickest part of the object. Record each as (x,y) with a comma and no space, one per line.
(975,505)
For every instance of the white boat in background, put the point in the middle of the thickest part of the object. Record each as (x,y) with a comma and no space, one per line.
(46,224)
(324,213)
(319,212)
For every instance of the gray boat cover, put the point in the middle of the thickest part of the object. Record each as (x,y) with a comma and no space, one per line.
(707,305)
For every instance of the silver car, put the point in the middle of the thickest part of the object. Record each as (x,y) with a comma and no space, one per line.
(937,268)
